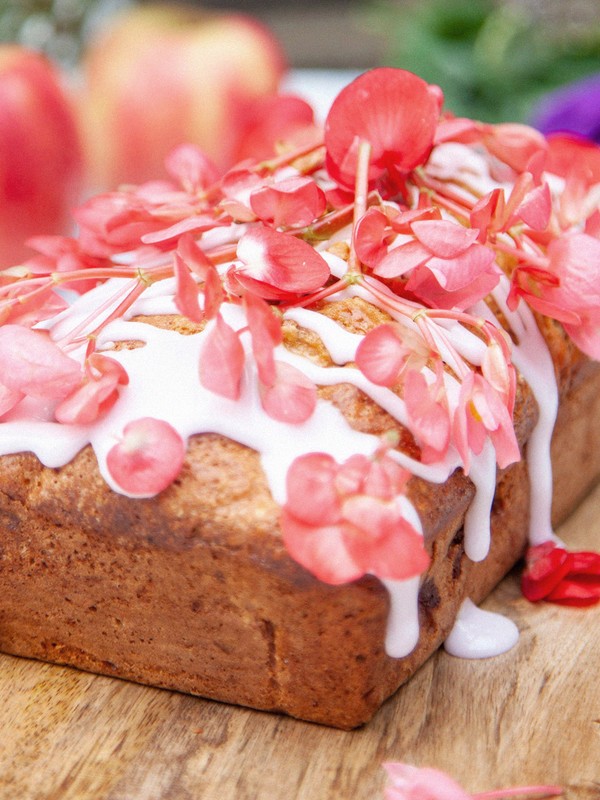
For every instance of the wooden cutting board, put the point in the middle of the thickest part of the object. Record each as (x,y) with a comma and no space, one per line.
(529,716)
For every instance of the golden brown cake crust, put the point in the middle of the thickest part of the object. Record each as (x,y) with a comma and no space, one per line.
(193,590)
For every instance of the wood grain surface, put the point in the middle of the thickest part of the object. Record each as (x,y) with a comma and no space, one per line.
(529,716)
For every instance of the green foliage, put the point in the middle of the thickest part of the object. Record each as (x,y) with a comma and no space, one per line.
(493,60)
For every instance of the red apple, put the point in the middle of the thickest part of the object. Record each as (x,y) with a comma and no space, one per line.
(161,75)
(40,155)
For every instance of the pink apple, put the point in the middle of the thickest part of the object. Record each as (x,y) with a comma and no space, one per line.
(162,75)
(40,155)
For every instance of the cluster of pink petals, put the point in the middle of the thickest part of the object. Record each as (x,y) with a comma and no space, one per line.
(32,365)
(342,521)
(566,287)
(406,782)
(441,262)
(390,356)
(286,394)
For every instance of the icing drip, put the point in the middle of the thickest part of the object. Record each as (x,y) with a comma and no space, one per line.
(480,634)
(402,633)
(477,519)
(533,360)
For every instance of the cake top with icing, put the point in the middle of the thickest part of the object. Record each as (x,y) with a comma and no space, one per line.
(396,203)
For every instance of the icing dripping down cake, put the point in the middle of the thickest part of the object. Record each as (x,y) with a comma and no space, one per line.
(292,418)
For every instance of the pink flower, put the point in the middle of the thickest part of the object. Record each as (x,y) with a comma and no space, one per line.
(428,413)
(567,289)
(393,110)
(414,783)
(386,352)
(446,266)
(96,395)
(341,521)
(33,365)
(276,265)
(481,413)
(148,457)
(289,203)
(424,783)
(63,254)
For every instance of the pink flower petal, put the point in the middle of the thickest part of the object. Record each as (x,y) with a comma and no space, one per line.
(214,293)
(421,783)
(369,237)
(513,143)
(291,202)
(381,541)
(222,360)
(320,550)
(9,398)
(312,497)
(186,295)
(31,363)
(443,238)
(382,355)
(282,261)
(429,416)
(393,110)
(194,257)
(265,329)
(191,167)
(291,398)
(402,259)
(97,395)
(148,458)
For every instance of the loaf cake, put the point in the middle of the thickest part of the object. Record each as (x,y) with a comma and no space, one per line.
(284,422)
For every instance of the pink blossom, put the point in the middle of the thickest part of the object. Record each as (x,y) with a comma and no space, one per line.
(386,351)
(276,265)
(97,394)
(222,360)
(481,413)
(341,521)
(421,783)
(568,289)
(444,264)
(291,202)
(21,307)
(148,457)
(406,782)
(63,254)
(428,413)
(31,364)
(290,396)
(393,110)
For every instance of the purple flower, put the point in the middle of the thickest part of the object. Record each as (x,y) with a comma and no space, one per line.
(574,108)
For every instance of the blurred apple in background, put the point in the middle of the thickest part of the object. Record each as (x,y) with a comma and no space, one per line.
(165,74)
(40,155)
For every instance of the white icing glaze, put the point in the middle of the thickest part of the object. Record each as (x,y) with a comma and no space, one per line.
(533,360)
(480,634)
(402,633)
